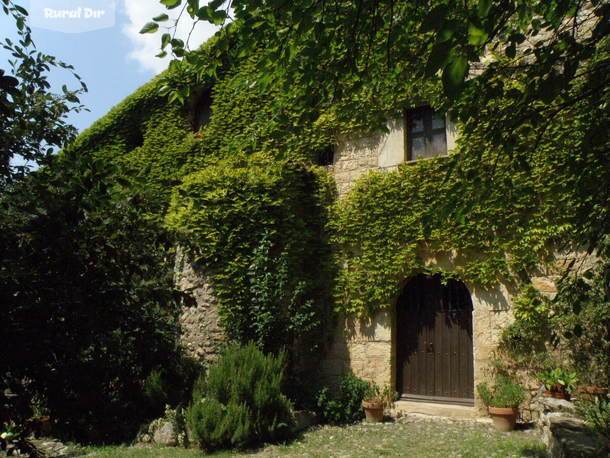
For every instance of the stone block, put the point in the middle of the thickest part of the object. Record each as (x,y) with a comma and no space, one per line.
(304,419)
(570,438)
(545,285)
(165,434)
(549,404)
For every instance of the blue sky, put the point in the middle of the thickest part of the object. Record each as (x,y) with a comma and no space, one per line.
(113,61)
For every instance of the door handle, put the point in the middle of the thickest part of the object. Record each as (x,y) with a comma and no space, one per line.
(430,348)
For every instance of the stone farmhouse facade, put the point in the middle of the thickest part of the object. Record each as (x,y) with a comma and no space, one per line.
(437,371)
(435,342)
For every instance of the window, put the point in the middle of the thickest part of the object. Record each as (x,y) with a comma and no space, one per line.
(202,110)
(426,134)
(326,156)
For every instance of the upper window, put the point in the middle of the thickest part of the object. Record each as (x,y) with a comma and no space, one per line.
(426,134)
(202,110)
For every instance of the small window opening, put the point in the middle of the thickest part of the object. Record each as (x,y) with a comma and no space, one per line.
(426,134)
(134,139)
(202,111)
(326,156)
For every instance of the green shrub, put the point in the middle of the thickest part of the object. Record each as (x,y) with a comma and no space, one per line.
(240,403)
(597,415)
(170,385)
(581,321)
(506,392)
(154,388)
(345,406)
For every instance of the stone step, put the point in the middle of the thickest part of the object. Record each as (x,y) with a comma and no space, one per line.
(438,410)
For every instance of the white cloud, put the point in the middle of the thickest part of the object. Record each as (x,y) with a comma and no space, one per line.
(146,46)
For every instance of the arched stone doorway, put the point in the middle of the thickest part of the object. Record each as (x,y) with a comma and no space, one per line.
(434,352)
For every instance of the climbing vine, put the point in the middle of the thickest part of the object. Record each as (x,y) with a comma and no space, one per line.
(501,214)
(257,225)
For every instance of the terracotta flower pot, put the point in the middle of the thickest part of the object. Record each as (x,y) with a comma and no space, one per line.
(373,411)
(558,392)
(504,418)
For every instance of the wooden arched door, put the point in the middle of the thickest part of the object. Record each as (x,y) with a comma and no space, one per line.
(434,341)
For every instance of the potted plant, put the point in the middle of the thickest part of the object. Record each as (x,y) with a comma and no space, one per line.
(502,400)
(376,400)
(559,383)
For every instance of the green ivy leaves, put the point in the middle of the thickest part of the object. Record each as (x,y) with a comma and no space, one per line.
(454,74)
(150,27)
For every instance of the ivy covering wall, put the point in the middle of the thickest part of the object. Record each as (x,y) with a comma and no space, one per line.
(502,215)
(249,202)
(257,225)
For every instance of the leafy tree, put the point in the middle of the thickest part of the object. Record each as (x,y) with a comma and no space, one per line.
(33,122)
(89,307)
(89,329)
(317,40)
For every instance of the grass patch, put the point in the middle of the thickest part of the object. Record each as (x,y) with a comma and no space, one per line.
(421,439)
(137,452)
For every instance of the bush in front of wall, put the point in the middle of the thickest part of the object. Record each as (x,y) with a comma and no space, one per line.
(344,406)
(240,402)
(597,415)
(581,321)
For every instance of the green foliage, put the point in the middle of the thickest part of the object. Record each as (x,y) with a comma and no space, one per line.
(32,117)
(530,306)
(500,217)
(581,322)
(154,388)
(373,50)
(257,225)
(523,182)
(88,299)
(148,138)
(12,439)
(597,415)
(559,379)
(574,325)
(345,405)
(524,341)
(240,403)
(505,392)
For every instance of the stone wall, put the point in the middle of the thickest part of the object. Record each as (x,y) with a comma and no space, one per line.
(201,335)
(368,347)
(564,432)
(355,156)
(362,346)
